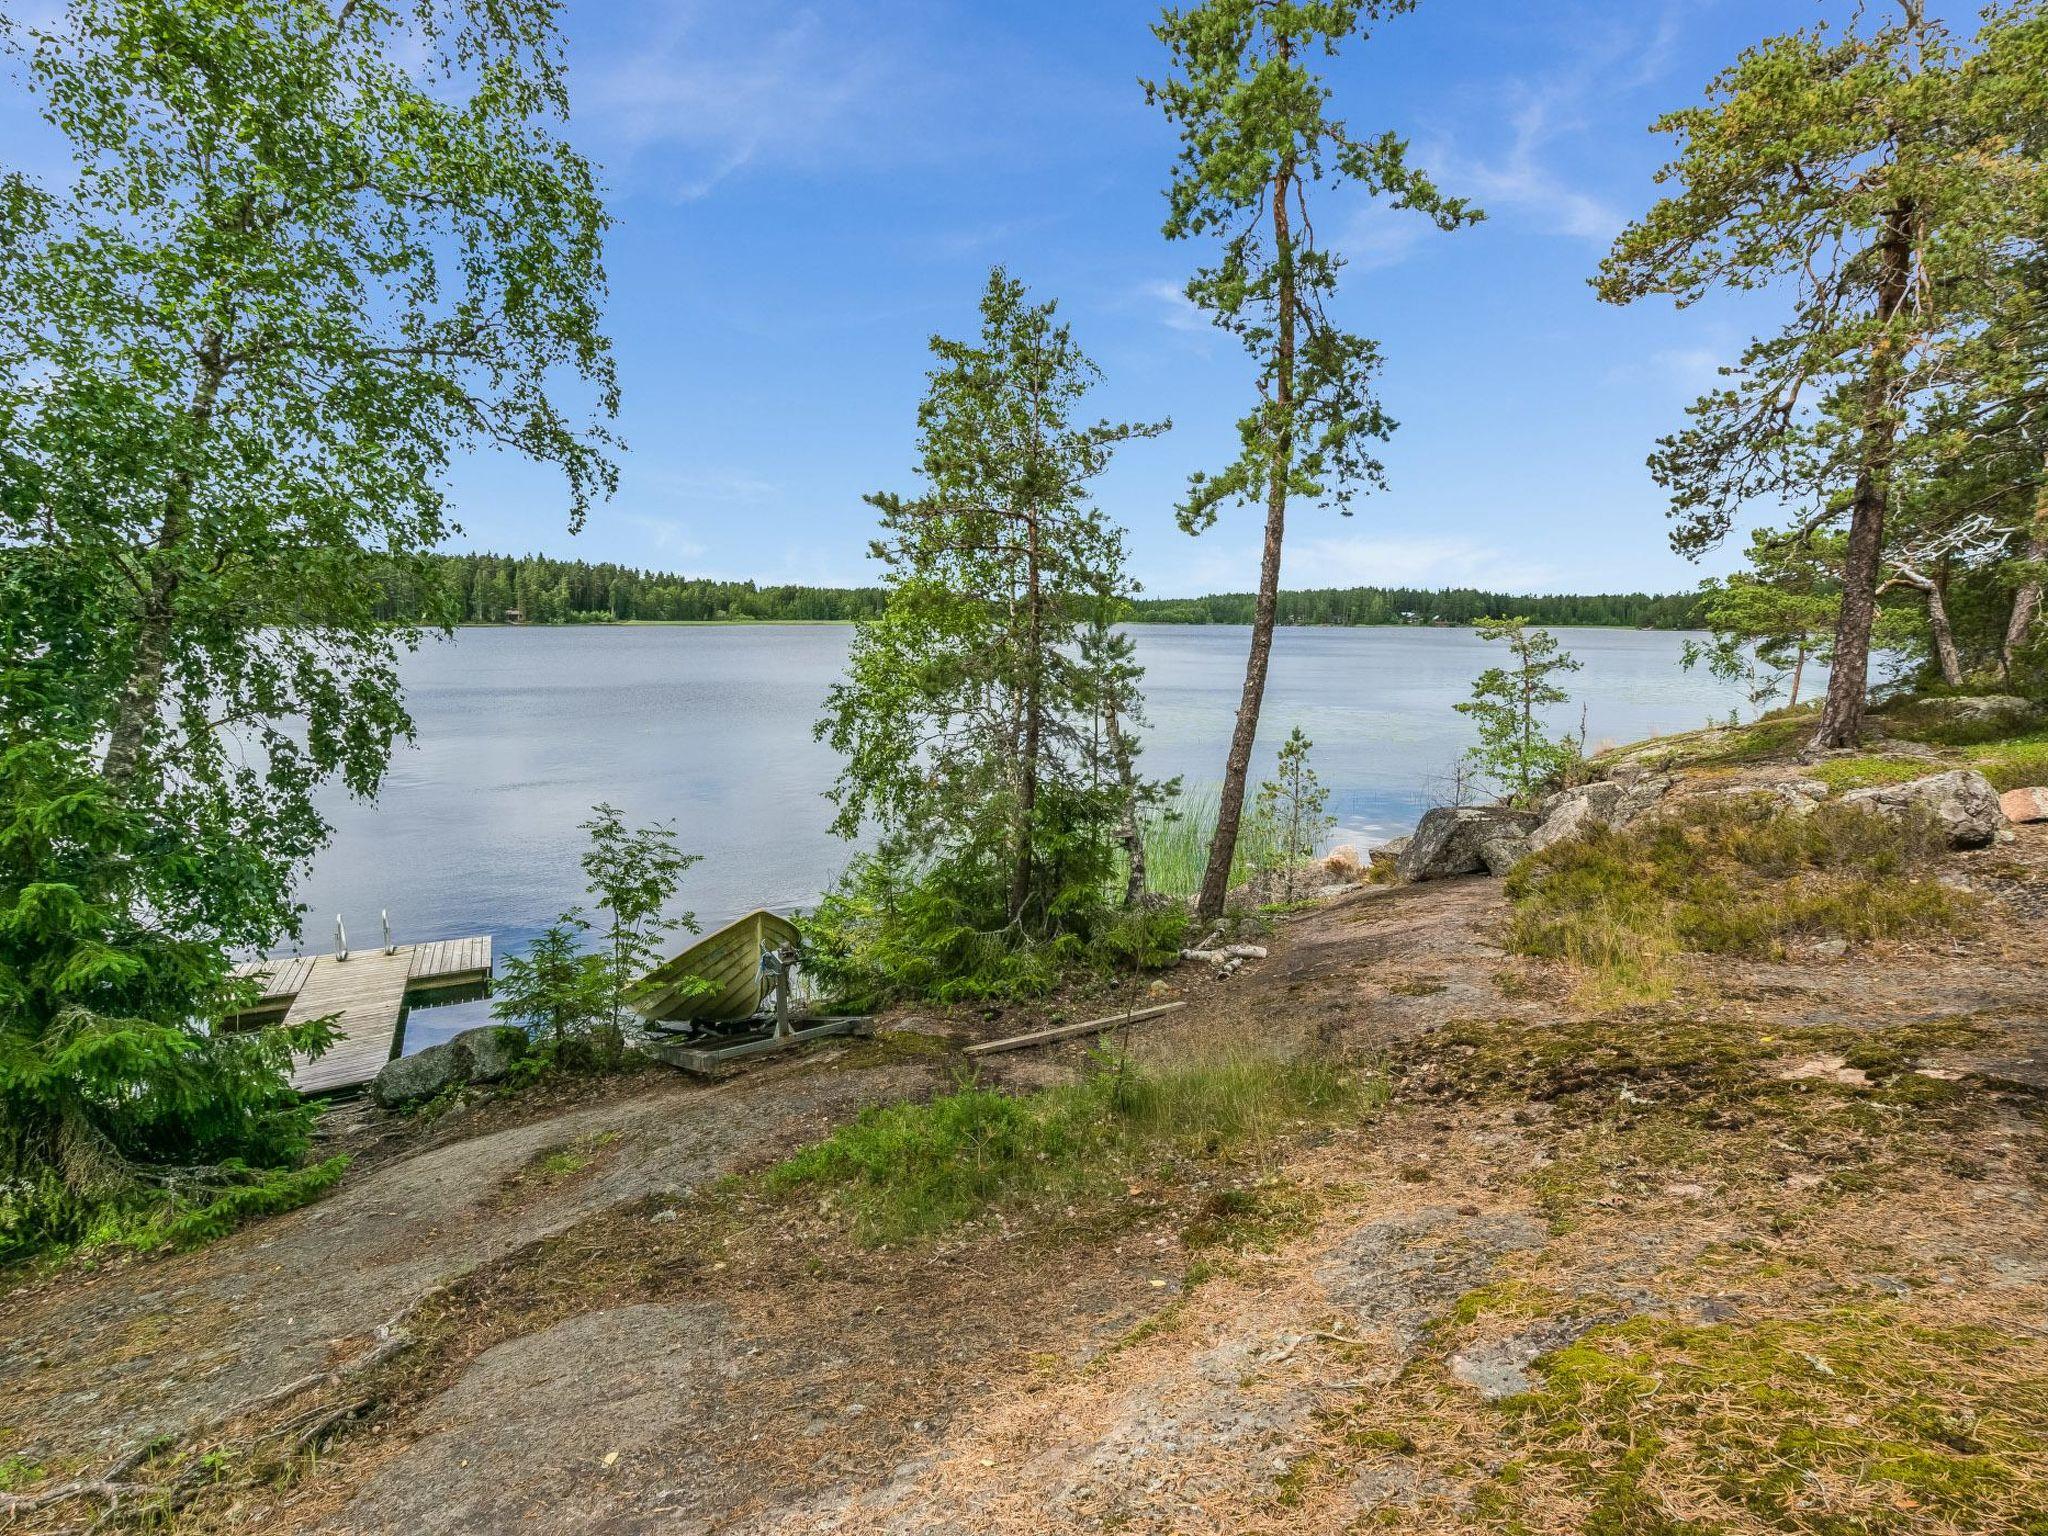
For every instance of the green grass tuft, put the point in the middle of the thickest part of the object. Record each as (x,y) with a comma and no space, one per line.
(1854,1420)
(267,1194)
(907,1171)
(2015,763)
(1844,773)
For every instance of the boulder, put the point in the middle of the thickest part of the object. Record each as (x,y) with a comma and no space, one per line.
(1384,858)
(2021,805)
(481,1055)
(1790,797)
(408,1079)
(1464,840)
(1963,804)
(1609,802)
(1799,797)
(1576,811)
(492,1051)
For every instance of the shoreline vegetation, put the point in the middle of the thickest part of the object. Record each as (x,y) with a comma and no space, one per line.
(480,590)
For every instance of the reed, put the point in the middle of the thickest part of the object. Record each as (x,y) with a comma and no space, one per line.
(1177,837)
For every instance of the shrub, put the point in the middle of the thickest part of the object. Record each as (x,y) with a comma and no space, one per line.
(2015,763)
(1177,838)
(894,928)
(125,1116)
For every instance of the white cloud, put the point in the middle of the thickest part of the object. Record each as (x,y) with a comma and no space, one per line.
(668,537)
(1522,175)
(1522,178)
(1174,308)
(715,90)
(1691,368)
(1377,236)
(724,487)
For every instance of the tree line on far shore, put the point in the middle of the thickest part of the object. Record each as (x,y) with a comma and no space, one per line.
(485,588)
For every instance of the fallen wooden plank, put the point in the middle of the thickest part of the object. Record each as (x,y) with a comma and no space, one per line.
(1069,1031)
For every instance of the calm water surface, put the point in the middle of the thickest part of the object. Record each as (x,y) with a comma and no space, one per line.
(521,731)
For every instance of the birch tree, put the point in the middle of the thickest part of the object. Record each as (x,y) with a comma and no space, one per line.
(304,255)
(307,254)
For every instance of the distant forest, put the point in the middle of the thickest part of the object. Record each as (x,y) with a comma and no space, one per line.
(535,589)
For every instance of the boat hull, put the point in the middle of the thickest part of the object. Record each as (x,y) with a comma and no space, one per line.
(719,978)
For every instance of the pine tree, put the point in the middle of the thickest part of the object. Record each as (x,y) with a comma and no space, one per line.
(966,715)
(1514,749)
(1256,133)
(1296,805)
(1870,175)
(972,713)
(1770,620)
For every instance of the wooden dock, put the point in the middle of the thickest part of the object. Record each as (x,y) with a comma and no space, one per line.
(369,990)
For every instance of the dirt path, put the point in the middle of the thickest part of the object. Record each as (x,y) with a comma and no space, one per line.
(90,1368)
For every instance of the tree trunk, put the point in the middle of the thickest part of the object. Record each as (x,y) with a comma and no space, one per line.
(1027,787)
(2026,603)
(1237,767)
(143,692)
(1935,589)
(1798,671)
(1944,633)
(1131,832)
(1528,728)
(1841,717)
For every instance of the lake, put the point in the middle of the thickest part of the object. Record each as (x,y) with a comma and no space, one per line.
(521,731)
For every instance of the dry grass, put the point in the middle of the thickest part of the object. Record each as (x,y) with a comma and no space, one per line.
(1726,875)
(1823,1186)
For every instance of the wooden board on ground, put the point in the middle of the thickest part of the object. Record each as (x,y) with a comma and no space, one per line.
(1071,1031)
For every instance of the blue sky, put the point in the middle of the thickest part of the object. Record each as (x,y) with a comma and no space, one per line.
(805,192)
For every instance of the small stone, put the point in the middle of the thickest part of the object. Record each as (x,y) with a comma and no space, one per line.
(1831,1069)
(2024,805)
(1831,949)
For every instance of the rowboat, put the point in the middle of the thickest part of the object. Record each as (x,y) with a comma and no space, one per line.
(718,979)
